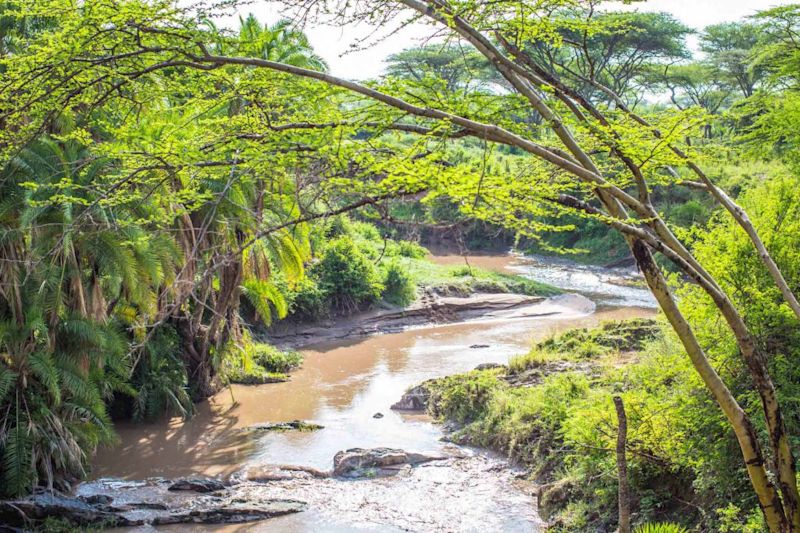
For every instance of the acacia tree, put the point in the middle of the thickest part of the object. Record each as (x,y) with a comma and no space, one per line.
(638,154)
(594,159)
(730,48)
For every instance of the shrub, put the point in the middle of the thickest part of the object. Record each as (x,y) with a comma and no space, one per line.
(274,360)
(346,276)
(251,363)
(307,300)
(398,286)
(408,249)
(661,527)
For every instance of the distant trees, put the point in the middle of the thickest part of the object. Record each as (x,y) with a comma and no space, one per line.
(452,63)
(730,49)
(606,49)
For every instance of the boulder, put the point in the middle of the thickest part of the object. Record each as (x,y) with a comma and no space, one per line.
(478,346)
(415,399)
(38,507)
(197,484)
(360,462)
(94,499)
(232,513)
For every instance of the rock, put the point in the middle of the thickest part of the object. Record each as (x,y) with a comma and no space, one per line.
(39,507)
(360,462)
(146,503)
(197,484)
(294,425)
(477,346)
(233,513)
(267,473)
(94,499)
(489,366)
(377,415)
(415,399)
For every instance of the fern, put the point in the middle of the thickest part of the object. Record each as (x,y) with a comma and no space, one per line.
(17,452)
(43,368)
(8,379)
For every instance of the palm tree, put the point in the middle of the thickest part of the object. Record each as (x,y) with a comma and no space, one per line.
(281,42)
(66,267)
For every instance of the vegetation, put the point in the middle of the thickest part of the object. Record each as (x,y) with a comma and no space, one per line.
(564,428)
(169,189)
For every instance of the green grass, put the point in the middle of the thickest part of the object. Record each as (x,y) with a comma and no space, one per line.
(463,280)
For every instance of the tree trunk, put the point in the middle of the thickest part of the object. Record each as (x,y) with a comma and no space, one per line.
(623,493)
(768,498)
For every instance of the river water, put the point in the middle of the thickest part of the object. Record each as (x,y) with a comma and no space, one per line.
(343,385)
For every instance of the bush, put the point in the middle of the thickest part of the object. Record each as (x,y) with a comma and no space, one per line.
(251,363)
(661,527)
(398,286)
(407,249)
(346,276)
(274,360)
(307,301)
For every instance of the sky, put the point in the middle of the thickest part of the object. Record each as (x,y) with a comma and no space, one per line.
(334,43)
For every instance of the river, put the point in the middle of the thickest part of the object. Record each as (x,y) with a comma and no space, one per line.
(342,385)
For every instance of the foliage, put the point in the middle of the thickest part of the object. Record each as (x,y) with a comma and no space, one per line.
(159,177)
(564,429)
(398,286)
(254,363)
(160,379)
(347,276)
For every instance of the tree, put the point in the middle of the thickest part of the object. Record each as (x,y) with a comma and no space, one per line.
(730,48)
(281,42)
(581,47)
(458,67)
(691,84)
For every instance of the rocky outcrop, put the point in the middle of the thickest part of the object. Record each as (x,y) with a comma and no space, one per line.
(149,502)
(38,507)
(415,399)
(197,484)
(534,375)
(360,462)
(490,366)
(232,513)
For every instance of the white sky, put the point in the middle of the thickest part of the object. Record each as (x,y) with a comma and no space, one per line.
(333,43)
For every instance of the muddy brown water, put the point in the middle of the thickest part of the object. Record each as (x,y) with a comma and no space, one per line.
(342,385)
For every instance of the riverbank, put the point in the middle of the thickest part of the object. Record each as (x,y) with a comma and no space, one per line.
(551,412)
(429,311)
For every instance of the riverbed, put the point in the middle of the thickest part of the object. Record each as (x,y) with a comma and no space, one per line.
(348,386)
